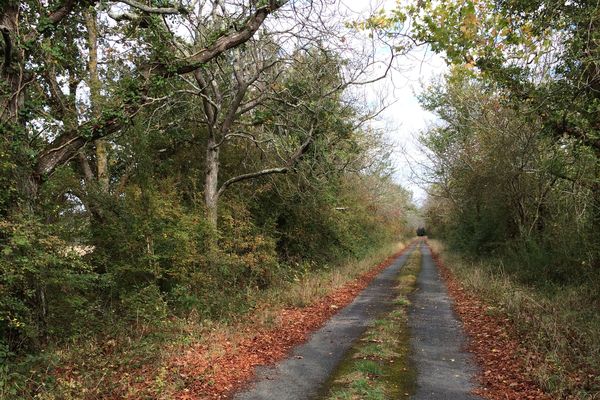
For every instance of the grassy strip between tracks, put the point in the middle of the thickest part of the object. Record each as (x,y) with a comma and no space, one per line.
(378,367)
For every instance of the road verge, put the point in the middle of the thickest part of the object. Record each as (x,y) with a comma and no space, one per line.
(223,363)
(493,341)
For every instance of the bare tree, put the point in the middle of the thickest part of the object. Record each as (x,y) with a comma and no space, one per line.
(236,84)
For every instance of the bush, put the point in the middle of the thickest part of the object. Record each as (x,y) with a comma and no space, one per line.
(44,283)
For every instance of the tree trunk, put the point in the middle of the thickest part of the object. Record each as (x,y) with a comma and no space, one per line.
(102,164)
(29,189)
(211,182)
(12,96)
(96,97)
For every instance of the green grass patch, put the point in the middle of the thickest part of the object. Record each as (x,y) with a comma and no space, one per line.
(378,367)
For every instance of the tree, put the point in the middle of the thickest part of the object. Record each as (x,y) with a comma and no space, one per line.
(40,54)
(542,55)
(238,86)
(127,128)
(497,175)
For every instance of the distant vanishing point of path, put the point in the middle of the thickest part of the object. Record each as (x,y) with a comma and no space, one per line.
(444,371)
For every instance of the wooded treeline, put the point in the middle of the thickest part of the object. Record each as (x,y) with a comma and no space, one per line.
(161,160)
(513,169)
(514,157)
(516,153)
(502,187)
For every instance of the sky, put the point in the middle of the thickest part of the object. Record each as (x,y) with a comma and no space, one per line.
(404,118)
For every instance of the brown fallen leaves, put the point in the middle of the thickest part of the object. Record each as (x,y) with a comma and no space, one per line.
(493,341)
(207,373)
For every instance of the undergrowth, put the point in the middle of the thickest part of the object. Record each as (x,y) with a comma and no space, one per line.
(131,362)
(558,324)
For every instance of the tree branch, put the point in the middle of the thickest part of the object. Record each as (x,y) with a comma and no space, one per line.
(151,10)
(63,11)
(302,149)
(66,146)
(243,136)
(55,18)
(223,43)
(252,175)
(123,16)
(210,108)
(233,107)
(281,170)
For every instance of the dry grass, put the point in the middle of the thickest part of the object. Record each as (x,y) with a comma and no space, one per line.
(135,367)
(316,285)
(298,293)
(560,327)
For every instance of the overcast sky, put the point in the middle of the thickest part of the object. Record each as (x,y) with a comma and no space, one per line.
(404,119)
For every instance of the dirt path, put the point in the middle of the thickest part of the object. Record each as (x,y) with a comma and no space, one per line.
(302,374)
(444,370)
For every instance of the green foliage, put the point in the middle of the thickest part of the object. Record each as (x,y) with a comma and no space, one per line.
(543,66)
(89,264)
(516,163)
(521,208)
(504,184)
(8,167)
(43,284)
(144,306)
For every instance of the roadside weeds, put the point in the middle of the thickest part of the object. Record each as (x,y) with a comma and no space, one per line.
(224,360)
(514,364)
(190,358)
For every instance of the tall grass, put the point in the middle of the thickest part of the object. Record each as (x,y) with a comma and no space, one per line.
(560,324)
(311,286)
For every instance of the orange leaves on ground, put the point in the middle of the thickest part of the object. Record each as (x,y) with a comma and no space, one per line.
(216,371)
(495,346)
